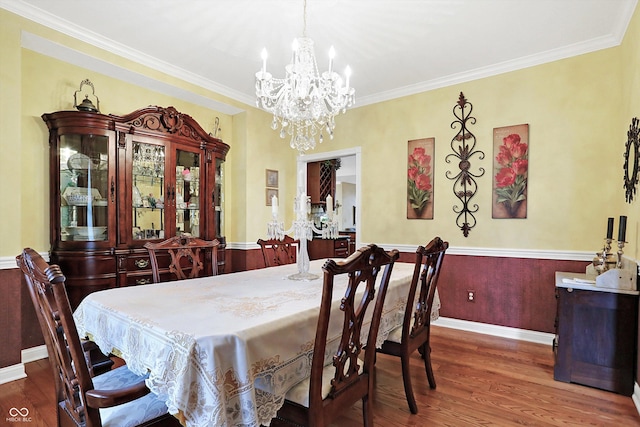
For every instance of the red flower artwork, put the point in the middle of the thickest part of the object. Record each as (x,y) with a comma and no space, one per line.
(419,186)
(511,179)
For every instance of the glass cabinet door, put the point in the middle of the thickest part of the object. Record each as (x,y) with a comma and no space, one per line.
(188,193)
(148,198)
(218,198)
(84,187)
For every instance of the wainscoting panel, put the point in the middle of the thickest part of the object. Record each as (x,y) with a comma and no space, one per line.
(512,292)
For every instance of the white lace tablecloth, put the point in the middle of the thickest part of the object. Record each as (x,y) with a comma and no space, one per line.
(223,350)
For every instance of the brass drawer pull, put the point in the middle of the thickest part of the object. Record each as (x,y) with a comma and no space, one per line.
(142,263)
(143,281)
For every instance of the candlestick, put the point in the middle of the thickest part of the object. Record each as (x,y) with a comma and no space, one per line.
(610,228)
(620,251)
(302,230)
(622,230)
(329,206)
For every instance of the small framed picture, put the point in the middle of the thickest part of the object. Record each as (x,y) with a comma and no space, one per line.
(272,178)
(270,193)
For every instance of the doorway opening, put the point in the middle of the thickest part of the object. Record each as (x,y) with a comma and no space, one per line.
(348,185)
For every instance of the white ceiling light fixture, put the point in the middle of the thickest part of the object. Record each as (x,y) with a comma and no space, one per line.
(304,103)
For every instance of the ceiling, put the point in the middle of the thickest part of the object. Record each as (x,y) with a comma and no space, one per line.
(394,47)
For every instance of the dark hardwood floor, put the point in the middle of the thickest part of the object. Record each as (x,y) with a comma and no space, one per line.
(482,381)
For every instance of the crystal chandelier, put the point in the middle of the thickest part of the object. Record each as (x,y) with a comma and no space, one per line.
(304,103)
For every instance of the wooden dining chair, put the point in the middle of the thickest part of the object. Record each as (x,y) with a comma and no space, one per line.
(332,388)
(278,252)
(415,330)
(190,257)
(117,398)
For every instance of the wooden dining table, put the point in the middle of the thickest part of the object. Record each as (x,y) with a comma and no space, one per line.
(224,350)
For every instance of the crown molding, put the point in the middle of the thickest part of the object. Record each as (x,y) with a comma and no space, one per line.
(44,18)
(44,46)
(49,48)
(497,69)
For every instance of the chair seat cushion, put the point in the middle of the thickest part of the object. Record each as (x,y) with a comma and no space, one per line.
(129,414)
(300,392)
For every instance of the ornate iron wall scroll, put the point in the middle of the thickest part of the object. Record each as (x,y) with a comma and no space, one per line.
(465,185)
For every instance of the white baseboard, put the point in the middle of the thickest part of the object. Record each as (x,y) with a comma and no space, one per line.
(12,373)
(15,372)
(636,396)
(34,353)
(500,331)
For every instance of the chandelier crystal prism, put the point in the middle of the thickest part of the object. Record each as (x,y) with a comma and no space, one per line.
(304,103)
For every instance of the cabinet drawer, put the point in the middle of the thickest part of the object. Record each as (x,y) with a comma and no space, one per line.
(144,279)
(341,243)
(143,263)
(341,253)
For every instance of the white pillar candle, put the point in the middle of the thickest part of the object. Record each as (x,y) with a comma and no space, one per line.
(347,72)
(274,206)
(332,54)
(330,206)
(264,60)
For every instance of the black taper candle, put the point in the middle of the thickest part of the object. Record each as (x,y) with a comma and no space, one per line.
(622,230)
(610,229)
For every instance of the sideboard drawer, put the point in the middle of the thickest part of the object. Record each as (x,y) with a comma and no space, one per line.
(341,243)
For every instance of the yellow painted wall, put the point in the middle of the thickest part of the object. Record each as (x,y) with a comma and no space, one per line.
(11,172)
(33,84)
(578,110)
(56,83)
(629,54)
(572,108)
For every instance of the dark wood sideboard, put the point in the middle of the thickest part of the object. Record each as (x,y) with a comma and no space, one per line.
(596,338)
(329,248)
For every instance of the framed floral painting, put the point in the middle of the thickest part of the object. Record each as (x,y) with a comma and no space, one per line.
(510,171)
(420,178)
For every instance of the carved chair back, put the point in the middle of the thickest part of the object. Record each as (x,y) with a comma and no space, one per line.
(417,316)
(71,372)
(190,257)
(278,252)
(416,325)
(79,403)
(334,388)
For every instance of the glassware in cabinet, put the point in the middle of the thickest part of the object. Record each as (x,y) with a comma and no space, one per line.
(147,193)
(84,187)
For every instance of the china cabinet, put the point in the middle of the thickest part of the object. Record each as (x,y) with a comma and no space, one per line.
(117,182)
